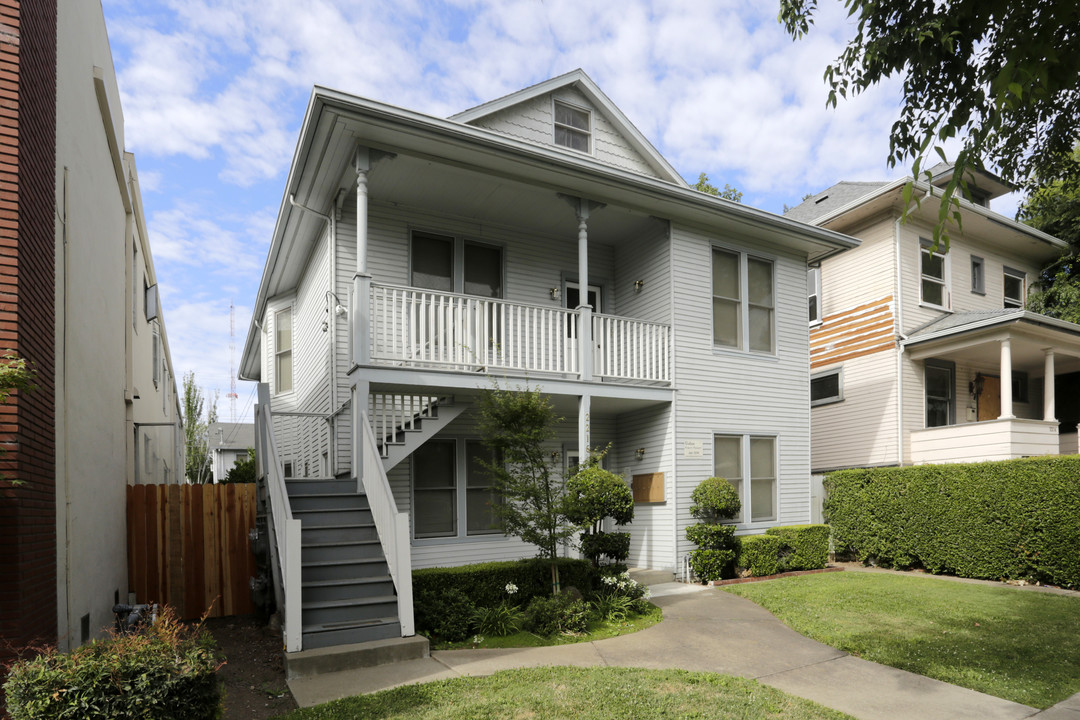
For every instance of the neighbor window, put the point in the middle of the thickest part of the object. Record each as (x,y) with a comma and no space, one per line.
(156,357)
(1014,289)
(940,393)
(934,288)
(734,309)
(572,127)
(748,462)
(453,495)
(283,345)
(978,275)
(826,387)
(813,292)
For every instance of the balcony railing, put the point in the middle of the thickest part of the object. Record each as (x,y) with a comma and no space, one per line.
(425,328)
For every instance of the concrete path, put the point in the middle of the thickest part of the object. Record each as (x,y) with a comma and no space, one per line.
(705,629)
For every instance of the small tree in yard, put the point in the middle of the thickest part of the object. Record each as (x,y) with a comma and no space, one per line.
(516,425)
(593,494)
(243,470)
(714,500)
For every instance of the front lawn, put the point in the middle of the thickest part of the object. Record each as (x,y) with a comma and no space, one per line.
(597,630)
(1017,645)
(579,693)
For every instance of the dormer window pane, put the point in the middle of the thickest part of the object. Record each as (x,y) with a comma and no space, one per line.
(572,127)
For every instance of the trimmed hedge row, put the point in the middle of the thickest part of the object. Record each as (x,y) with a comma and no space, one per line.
(485,583)
(994,520)
(780,549)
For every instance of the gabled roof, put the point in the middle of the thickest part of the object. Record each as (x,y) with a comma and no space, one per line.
(830,199)
(956,324)
(584,84)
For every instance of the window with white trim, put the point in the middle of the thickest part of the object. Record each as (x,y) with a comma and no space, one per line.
(283,347)
(748,462)
(734,309)
(573,127)
(453,495)
(1014,288)
(940,377)
(978,275)
(827,387)
(933,272)
(813,293)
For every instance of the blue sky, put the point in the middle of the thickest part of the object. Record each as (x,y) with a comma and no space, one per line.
(214,92)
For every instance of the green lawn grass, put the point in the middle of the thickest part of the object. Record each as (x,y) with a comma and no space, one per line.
(1017,645)
(578,693)
(597,630)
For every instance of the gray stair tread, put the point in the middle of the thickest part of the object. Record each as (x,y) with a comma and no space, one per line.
(353,561)
(301,511)
(351,602)
(327,495)
(342,527)
(349,624)
(338,543)
(348,581)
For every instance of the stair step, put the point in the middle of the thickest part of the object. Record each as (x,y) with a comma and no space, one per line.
(320,635)
(350,549)
(347,588)
(338,533)
(324,501)
(307,663)
(327,612)
(321,517)
(318,570)
(319,486)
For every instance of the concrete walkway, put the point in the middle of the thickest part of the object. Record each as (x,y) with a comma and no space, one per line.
(705,629)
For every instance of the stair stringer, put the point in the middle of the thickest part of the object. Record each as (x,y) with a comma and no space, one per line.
(397,452)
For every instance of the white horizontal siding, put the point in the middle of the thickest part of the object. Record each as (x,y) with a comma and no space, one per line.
(991,440)
(862,275)
(861,429)
(652,533)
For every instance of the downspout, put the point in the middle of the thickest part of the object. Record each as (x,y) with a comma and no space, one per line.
(67,439)
(331,434)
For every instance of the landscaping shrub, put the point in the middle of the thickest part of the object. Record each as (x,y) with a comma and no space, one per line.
(804,547)
(605,544)
(560,613)
(714,499)
(712,537)
(445,614)
(499,621)
(1010,519)
(167,672)
(593,494)
(711,564)
(485,583)
(760,554)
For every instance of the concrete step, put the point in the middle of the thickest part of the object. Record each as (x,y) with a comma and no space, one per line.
(325,636)
(338,533)
(325,501)
(349,550)
(315,571)
(347,588)
(311,486)
(329,612)
(333,516)
(311,662)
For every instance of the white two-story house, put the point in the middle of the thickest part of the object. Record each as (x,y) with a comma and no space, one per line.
(924,354)
(538,240)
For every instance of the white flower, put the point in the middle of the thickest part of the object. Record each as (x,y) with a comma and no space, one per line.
(609,580)
(511,588)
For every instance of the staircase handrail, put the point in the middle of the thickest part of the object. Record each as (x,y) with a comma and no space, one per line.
(285,529)
(392,525)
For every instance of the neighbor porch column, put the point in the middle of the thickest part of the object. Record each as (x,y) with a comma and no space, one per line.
(584,308)
(1048,386)
(1006,380)
(361,313)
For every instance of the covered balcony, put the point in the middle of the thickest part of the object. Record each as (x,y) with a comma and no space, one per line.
(991,383)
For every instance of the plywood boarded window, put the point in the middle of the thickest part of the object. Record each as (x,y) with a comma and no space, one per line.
(648,488)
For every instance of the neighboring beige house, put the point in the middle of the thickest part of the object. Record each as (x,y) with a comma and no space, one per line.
(228,442)
(82,294)
(541,239)
(923,354)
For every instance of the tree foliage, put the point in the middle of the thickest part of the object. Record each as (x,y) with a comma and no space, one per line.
(592,495)
(196,430)
(728,193)
(1054,208)
(517,426)
(15,374)
(1000,76)
(243,470)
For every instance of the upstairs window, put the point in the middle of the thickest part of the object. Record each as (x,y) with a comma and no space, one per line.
(933,288)
(283,345)
(813,292)
(978,275)
(743,320)
(572,127)
(1014,288)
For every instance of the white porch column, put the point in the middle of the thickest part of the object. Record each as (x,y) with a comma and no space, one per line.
(585,310)
(1006,380)
(584,435)
(361,310)
(1048,386)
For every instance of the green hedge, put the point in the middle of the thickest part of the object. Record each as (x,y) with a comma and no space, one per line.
(168,673)
(805,547)
(760,554)
(1010,519)
(485,583)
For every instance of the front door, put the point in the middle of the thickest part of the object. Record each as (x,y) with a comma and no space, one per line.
(572,298)
(990,398)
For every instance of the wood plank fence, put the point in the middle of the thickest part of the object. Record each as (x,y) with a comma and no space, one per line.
(188,547)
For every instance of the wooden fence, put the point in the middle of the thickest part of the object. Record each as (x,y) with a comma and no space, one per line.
(188,547)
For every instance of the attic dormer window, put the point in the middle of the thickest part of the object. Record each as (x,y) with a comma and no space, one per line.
(572,127)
